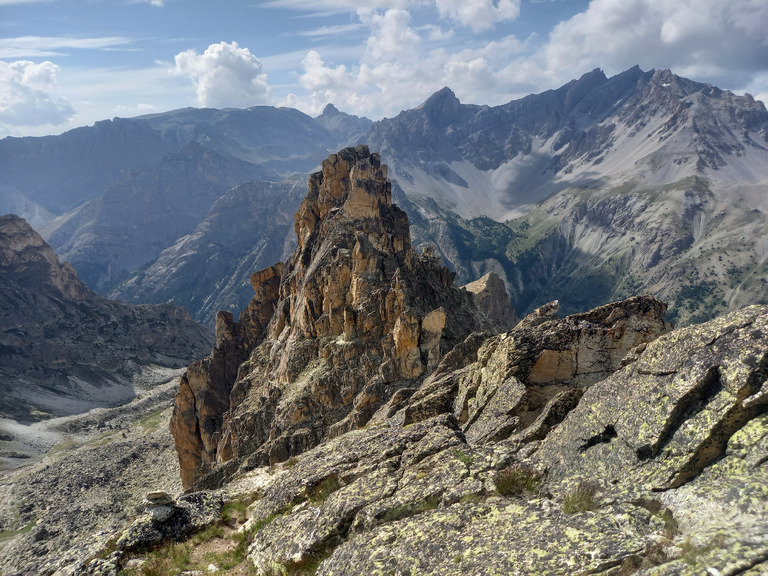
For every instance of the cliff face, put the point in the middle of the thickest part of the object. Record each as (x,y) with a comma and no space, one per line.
(63,349)
(351,318)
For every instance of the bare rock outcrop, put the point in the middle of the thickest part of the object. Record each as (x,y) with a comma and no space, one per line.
(671,412)
(490,296)
(516,386)
(351,318)
(658,468)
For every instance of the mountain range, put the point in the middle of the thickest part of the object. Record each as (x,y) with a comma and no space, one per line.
(602,188)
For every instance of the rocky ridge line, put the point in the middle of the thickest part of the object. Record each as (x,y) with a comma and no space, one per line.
(63,348)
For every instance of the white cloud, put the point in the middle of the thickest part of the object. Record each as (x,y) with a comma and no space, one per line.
(331,31)
(391,36)
(479,14)
(402,64)
(30,95)
(46,46)
(225,75)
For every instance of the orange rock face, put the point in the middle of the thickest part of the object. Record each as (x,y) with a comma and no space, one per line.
(353,316)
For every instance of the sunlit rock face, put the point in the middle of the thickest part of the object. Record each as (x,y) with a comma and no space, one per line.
(353,316)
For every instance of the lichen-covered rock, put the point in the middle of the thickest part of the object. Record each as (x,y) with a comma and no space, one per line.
(523,382)
(496,536)
(671,412)
(332,334)
(189,512)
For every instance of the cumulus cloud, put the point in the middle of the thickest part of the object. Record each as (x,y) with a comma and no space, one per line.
(30,95)
(391,36)
(479,14)
(401,61)
(706,40)
(225,75)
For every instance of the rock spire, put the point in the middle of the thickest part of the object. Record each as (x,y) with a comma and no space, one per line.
(353,316)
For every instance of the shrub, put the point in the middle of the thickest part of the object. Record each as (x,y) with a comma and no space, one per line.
(463,457)
(516,479)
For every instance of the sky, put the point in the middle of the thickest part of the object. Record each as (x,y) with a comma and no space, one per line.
(69,63)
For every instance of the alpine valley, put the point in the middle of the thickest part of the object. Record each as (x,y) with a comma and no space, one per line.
(528,339)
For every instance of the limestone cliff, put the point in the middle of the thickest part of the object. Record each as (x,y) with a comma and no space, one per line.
(351,318)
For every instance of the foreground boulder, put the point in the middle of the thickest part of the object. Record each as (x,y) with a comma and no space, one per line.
(354,316)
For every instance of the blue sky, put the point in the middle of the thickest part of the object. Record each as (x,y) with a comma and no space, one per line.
(68,63)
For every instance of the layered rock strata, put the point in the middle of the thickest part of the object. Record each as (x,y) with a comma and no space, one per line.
(351,318)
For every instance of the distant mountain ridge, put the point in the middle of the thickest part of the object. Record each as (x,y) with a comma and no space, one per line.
(644,181)
(64,349)
(589,131)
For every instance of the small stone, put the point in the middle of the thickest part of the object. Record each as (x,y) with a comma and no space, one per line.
(158,498)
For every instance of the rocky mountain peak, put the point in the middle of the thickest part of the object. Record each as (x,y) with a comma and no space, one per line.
(330,110)
(25,254)
(356,317)
(442,105)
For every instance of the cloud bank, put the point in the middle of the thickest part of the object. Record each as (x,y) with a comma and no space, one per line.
(707,40)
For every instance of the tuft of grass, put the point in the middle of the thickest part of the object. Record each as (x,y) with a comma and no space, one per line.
(236,510)
(581,498)
(291,462)
(411,508)
(463,457)
(319,493)
(166,560)
(472,498)
(516,479)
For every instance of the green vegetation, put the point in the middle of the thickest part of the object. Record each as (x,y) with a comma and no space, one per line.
(463,457)
(152,421)
(319,493)
(6,535)
(236,510)
(700,300)
(581,498)
(411,508)
(517,479)
(472,498)
(691,553)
